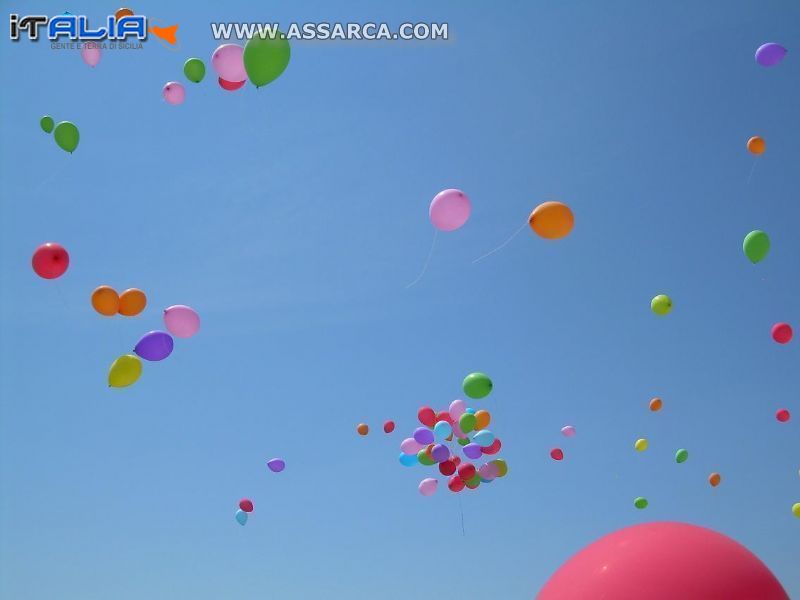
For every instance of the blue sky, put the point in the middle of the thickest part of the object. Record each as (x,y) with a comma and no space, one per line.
(293,217)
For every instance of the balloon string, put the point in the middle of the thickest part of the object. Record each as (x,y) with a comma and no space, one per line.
(461,510)
(752,169)
(503,245)
(427,261)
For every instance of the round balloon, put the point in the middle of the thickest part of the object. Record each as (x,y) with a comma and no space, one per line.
(796,509)
(427,416)
(50,260)
(241,517)
(90,53)
(661,305)
(756,246)
(770,54)
(456,409)
(105,300)
(123,12)
(132,302)
(47,124)
(783,415)
(472,451)
(782,333)
(442,430)
(467,422)
(174,93)
(388,427)
(276,465)
(362,429)
(656,404)
(410,446)
(124,371)
(181,321)
(483,438)
(482,419)
(557,454)
(427,487)
(640,445)
(449,210)
(756,145)
(194,69)
(455,484)
(228,63)
(501,466)
(477,385)
(714,479)
(552,220)
(408,460)
(440,453)
(640,503)
(155,346)
(266,57)
(423,435)
(67,136)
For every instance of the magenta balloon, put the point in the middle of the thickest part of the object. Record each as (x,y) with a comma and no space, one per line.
(90,53)
(410,446)
(174,93)
(449,210)
(228,62)
(664,561)
(181,321)
(769,55)
(155,345)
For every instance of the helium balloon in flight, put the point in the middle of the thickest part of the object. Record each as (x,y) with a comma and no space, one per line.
(241,517)
(714,479)
(681,455)
(124,371)
(50,260)
(266,57)
(227,61)
(181,321)
(132,302)
(552,220)
(174,93)
(656,404)
(782,333)
(756,145)
(67,136)
(105,301)
(477,385)
(661,305)
(154,346)
(770,54)
(231,86)
(194,69)
(47,124)
(449,210)
(756,246)
(90,53)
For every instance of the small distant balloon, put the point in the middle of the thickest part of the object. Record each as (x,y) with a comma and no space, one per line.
(105,301)
(231,86)
(124,371)
(174,93)
(155,346)
(782,333)
(557,454)
(182,321)
(640,503)
(756,246)
(276,465)
(796,509)
(756,145)
(714,479)
(681,455)
(90,53)
(568,431)
(427,487)
(67,136)
(47,124)
(656,404)
(783,415)
(449,210)
(770,54)
(246,505)
(362,429)
(194,69)
(477,385)
(50,260)
(241,517)
(640,445)
(388,427)
(552,220)
(661,305)
(132,302)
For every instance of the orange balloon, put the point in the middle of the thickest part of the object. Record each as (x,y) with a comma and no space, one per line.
(362,429)
(482,419)
(552,220)
(656,404)
(714,479)
(132,302)
(756,145)
(105,301)
(123,12)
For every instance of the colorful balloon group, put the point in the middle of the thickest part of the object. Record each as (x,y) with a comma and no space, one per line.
(108,303)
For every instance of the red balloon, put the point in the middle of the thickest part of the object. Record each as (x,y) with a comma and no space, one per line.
(456,460)
(426,416)
(664,561)
(456,484)
(443,415)
(231,86)
(494,448)
(466,471)
(783,415)
(557,454)
(246,505)
(447,467)
(782,333)
(388,427)
(50,260)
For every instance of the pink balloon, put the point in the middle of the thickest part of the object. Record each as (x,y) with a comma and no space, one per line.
(457,408)
(174,93)
(489,471)
(427,487)
(181,321)
(568,430)
(664,561)
(410,446)
(90,53)
(228,63)
(450,209)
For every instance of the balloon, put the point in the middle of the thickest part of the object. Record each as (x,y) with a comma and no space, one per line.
(449,210)
(663,561)
(640,445)
(681,455)
(408,460)
(782,333)
(447,467)
(423,435)
(362,429)
(67,136)
(756,145)
(501,466)
(783,415)
(714,479)
(770,54)
(661,305)
(477,385)
(482,419)
(181,321)
(427,416)
(756,246)
(463,441)
(154,346)
(124,371)
(276,465)
(266,57)
(388,427)
(488,471)
(422,457)
(132,302)
(557,454)
(796,509)
(443,415)
(90,53)
(246,505)
(493,449)
(440,453)
(231,86)
(456,484)
(552,220)
(105,300)
(47,124)
(194,69)
(656,404)
(50,260)
(640,503)
(467,422)
(123,12)
(410,446)
(427,487)
(472,451)
(227,62)
(466,471)
(484,438)
(474,482)
(442,430)
(457,408)
(241,517)
(568,431)
(174,93)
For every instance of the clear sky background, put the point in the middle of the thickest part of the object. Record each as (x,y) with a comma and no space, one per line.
(293,217)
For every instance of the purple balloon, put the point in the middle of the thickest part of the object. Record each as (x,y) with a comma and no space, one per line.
(769,55)
(440,453)
(276,465)
(423,436)
(155,345)
(472,450)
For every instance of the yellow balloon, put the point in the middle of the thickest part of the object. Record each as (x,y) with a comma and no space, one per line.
(796,510)
(124,371)
(640,445)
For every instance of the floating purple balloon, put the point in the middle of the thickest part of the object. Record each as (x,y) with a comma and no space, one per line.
(472,450)
(440,453)
(276,465)
(156,345)
(769,55)
(423,436)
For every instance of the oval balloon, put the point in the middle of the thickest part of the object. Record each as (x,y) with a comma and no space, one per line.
(388,427)
(501,466)
(472,451)
(105,300)
(67,136)
(714,479)
(427,487)
(456,409)
(455,484)
(467,422)
(227,61)
(266,57)
(449,210)
(241,517)
(174,93)
(640,445)
(231,86)
(552,220)
(661,305)
(447,467)
(181,321)
(124,371)
(756,145)
(194,69)
(132,302)
(568,431)
(427,416)
(557,454)
(440,453)
(408,460)
(423,458)
(90,53)
(466,471)
(782,333)
(756,246)
(640,503)
(276,465)
(47,124)
(770,54)
(423,435)
(123,12)
(477,385)
(656,404)
(796,509)
(783,415)
(410,446)
(246,505)
(442,430)
(482,419)
(484,438)
(50,260)
(154,346)
(681,455)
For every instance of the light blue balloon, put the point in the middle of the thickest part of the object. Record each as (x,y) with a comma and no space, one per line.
(442,430)
(470,411)
(241,517)
(483,438)
(408,460)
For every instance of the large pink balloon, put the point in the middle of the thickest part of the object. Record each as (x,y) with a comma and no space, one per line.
(90,53)
(228,62)
(182,321)
(450,209)
(664,561)
(174,93)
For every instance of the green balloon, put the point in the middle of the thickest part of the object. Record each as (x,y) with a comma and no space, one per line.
(423,457)
(194,69)
(661,304)
(47,124)
(467,422)
(474,480)
(756,246)
(681,455)
(640,502)
(463,441)
(265,58)
(67,136)
(477,385)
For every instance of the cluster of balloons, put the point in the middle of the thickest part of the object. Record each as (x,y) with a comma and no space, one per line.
(244,510)
(65,133)
(108,303)
(567,431)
